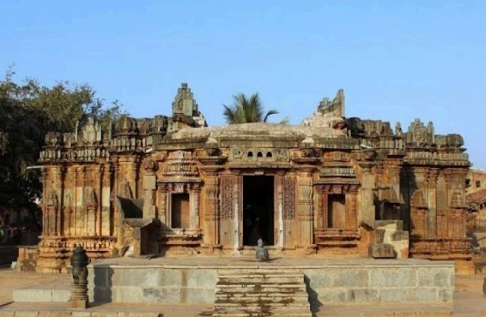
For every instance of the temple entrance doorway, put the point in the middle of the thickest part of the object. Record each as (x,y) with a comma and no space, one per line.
(258,207)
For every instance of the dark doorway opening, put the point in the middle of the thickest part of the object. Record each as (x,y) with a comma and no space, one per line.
(336,217)
(180,211)
(258,210)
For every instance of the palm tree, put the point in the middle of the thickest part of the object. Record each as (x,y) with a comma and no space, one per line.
(246,110)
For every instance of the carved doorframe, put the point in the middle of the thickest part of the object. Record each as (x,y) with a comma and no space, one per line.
(278,202)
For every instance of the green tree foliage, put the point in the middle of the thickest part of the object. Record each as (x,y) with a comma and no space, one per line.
(246,110)
(27,112)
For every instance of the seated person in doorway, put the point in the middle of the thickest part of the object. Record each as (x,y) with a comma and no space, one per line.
(262,253)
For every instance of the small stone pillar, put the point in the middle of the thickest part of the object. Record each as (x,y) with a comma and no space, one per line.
(79,286)
(149,186)
(367,213)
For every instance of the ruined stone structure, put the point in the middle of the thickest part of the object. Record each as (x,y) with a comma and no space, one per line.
(325,187)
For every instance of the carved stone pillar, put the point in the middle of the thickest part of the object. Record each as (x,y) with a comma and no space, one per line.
(318,213)
(163,203)
(305,206)
(367,212)
(238,208)
(135,161)
(279,235)
(149,186)
(105,201)
(351,216)
(85,208)
(325,206)
(432,203)
(194,222)
(211,210)
(45,212)
(61,173)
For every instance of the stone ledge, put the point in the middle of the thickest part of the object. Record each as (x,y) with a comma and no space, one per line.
(67,313)
(40,295)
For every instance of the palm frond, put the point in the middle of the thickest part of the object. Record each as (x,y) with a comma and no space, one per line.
(269,113)
(230,115)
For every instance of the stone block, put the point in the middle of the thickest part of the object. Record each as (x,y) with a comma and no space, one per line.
(7,313)
(162,295)
(318,279)
(32,295)
(363,295)
(80,314)
(169,278)
(60,295)
(104,314)
(392,277)
(436,277)
(427,295)
(127,294)
(446,295)
(198,295)
(136,277)
(201,278)
(139,314)
(399,235)
(347,278)
(379,235)
(390,224)
(382,251)
(26,313)
(54,313)
(397,295)
(332,296)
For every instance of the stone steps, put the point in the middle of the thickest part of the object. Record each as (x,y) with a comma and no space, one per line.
(261,292)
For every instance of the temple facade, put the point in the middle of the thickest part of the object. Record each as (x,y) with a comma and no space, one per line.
(331,186)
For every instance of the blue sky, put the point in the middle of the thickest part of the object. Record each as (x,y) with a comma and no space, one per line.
(395,60)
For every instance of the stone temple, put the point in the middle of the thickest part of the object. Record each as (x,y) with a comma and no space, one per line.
(330,187)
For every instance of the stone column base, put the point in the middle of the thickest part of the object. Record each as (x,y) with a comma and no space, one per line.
(78,304)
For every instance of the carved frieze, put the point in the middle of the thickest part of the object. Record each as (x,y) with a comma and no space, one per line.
(181,163)
(259,154)
(337,172)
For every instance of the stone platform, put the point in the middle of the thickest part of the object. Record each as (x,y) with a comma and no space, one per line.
(192,280)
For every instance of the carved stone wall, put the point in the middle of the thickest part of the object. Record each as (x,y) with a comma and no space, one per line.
(361,169)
